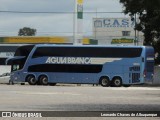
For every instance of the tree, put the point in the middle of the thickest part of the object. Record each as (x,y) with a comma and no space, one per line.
(26,31)
(149,16)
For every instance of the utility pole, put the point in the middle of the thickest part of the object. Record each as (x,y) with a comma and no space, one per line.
(96,27)
(78,22)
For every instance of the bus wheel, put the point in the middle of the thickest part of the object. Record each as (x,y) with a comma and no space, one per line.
(117,82)
(31,80)
(104,81)
(43,80)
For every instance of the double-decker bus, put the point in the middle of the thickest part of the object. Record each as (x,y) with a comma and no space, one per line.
(105,65)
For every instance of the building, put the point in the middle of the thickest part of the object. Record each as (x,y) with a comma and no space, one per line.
(116,31)
(44,40)
(6,51)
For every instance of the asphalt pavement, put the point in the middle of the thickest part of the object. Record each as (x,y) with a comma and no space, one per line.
(79,98)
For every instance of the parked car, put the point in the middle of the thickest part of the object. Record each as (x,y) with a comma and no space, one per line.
(5,78)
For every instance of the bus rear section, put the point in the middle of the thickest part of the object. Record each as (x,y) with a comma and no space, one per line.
(149,65)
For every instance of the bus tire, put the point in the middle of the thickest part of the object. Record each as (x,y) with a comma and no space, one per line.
(31,79)
(104,81)
(43,80)
(116,82)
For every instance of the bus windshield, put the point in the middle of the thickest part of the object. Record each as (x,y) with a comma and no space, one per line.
(20,58)
(16,63)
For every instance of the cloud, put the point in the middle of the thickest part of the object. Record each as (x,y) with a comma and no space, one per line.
(37,5)
(102,5)
(45,24)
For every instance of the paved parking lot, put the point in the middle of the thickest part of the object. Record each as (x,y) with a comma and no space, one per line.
(78,98)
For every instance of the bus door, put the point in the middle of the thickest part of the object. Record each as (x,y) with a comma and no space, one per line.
(134,74)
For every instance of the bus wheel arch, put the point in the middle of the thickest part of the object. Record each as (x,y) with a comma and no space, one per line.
(104,81)
(43,79)
(31,79)
(116,81)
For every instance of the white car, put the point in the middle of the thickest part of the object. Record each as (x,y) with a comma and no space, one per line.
(5,78)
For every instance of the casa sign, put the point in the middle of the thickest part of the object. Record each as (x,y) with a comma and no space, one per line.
(113,22)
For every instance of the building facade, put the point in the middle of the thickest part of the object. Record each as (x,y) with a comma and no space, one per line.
(116,31)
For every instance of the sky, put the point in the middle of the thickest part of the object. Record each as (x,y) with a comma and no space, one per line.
(54,17)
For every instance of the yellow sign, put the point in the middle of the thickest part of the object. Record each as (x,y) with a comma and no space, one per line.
(123,40)
(80,1)
(35,40)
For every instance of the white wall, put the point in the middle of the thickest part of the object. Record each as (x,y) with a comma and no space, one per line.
(106,29)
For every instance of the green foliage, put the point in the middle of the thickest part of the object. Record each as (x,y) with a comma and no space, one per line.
(26,31)
(148,12)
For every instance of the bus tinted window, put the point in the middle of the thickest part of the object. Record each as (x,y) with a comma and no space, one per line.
(65,68)
(17,64)
(88,52)
(24,50)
